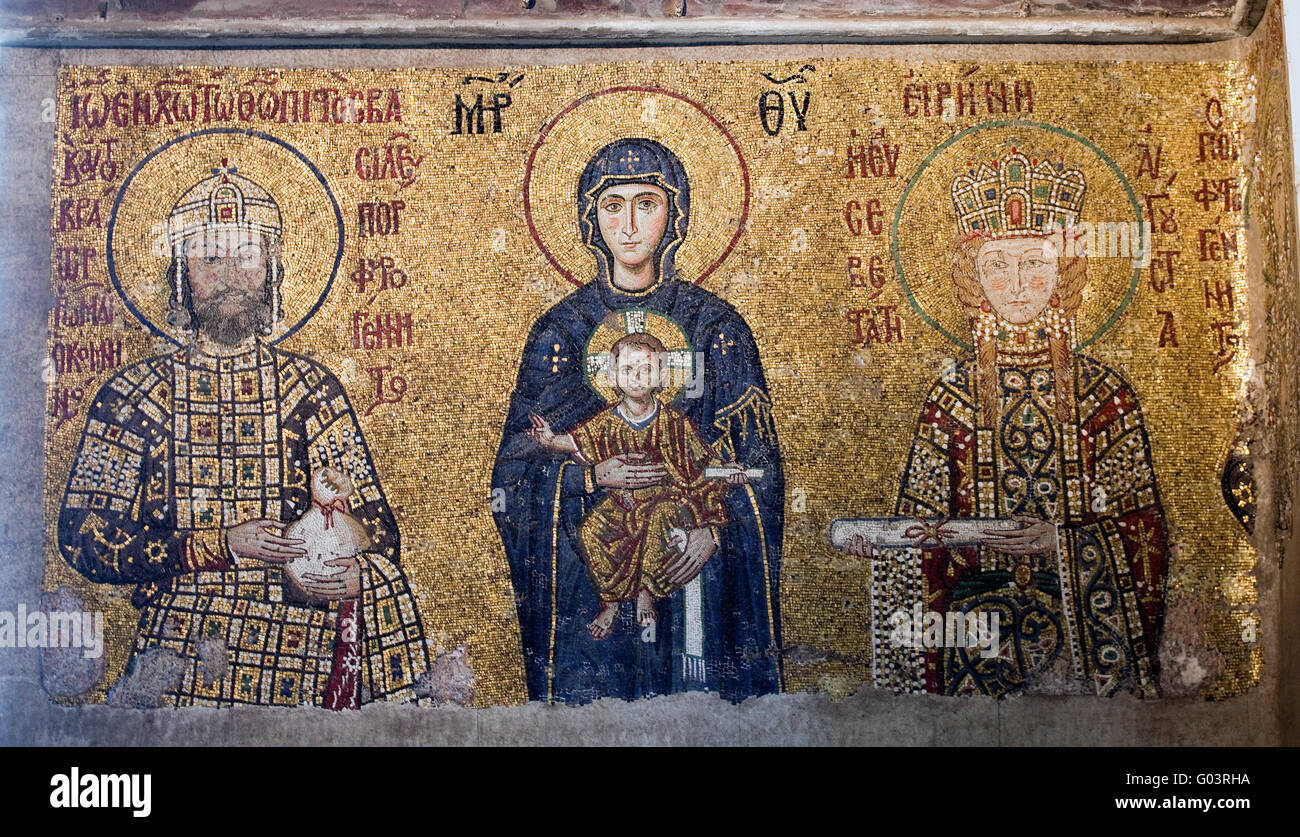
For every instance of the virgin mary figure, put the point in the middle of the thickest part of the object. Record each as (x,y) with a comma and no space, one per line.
(1046,440)
(721,632)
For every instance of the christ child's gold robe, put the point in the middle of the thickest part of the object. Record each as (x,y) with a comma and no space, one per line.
(626,537)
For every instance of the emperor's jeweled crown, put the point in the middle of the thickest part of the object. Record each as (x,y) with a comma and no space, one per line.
(226,200)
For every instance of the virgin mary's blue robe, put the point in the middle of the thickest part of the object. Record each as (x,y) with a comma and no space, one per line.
(546,497)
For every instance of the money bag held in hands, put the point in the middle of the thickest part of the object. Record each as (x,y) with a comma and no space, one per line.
(327,530)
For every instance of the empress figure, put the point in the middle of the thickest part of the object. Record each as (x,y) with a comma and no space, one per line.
(1030,430)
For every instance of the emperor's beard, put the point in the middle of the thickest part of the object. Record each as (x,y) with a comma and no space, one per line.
(253,317)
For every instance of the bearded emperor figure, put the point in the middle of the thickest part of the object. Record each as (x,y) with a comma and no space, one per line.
(192,462)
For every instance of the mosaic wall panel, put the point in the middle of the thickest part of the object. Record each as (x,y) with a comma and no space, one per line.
(623,379)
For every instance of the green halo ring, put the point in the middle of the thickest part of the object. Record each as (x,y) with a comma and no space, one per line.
(1016,123)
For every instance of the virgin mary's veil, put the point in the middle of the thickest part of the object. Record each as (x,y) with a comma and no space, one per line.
(635,160)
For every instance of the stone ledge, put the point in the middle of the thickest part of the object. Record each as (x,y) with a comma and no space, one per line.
(628,23)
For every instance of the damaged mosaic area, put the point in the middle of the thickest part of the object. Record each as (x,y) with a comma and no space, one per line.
(557,383)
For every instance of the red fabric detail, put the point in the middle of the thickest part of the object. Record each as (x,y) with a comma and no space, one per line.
(342,690)
(1146,545)
(328,509)
(197,556)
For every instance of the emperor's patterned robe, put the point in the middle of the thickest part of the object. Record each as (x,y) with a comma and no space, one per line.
(1089,614)
(180,447)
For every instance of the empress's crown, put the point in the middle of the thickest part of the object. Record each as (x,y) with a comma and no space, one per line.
(1017,196)
(226,200)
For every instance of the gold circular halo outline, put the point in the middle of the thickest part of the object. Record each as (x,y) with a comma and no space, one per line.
(587,124)
(135,225)
(930,291)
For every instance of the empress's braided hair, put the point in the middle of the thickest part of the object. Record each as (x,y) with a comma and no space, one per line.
(1069,293)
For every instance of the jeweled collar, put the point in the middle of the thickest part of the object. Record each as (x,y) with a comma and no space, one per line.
(1029,342)
(208,354)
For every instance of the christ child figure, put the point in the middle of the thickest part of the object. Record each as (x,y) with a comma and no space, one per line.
(634,539)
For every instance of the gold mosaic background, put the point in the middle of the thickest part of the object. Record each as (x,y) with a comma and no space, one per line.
(845,414)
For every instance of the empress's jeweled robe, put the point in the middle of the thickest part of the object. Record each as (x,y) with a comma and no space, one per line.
(1089,613)
(625,538)
(182,446)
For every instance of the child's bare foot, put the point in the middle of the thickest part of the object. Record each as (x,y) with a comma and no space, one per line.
(599,627)
(645,609)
